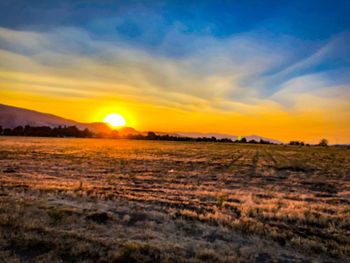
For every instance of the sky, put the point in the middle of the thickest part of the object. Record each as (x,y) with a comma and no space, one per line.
(279,69)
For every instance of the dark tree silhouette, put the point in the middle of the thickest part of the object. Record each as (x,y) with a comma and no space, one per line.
(323,142)
(297,143)
(152,136)
(46,131)
(73,131)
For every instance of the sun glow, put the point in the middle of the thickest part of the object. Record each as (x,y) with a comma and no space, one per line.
(115,120)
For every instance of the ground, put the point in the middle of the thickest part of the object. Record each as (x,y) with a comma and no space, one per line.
(96,200)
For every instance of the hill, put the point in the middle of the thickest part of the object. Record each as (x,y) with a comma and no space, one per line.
(11,117)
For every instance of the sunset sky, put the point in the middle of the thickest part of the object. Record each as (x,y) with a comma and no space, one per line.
(279,69)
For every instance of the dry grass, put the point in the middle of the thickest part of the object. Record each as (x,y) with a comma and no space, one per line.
(146,201)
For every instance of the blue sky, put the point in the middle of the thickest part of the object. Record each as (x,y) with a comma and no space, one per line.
(309,20)
(244,58)
(308,25)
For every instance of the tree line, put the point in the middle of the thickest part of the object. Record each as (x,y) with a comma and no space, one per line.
(73,131)
(46,131)
(167,137)
(323,142)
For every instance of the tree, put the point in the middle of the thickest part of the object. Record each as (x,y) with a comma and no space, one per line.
(7,132)
(297,143)
(323,142)
(151,135)
(18,131)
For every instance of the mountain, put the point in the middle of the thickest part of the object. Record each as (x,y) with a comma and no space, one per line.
(200,134)
(259,138)
(11,117)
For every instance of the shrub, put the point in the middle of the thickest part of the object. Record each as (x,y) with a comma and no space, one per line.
(323,142)
(56,215)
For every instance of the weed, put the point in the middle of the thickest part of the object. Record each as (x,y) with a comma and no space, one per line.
(56,215)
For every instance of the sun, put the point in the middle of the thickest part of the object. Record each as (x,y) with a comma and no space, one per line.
(115,120)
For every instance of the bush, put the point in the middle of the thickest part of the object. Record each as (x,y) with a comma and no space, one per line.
(56,215)
(323,142)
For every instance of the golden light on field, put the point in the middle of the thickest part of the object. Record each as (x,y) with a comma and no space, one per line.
(115,120)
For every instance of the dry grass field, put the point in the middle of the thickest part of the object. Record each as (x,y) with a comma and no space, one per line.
(95,200)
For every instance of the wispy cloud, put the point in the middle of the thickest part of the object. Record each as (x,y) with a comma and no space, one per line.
(228,70)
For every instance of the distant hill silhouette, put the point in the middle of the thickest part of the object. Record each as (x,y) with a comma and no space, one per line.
(12,117)
(259,138)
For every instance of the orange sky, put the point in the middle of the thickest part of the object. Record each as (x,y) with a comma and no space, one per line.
(308,126)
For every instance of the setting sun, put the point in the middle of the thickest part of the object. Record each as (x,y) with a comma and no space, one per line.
(114,120)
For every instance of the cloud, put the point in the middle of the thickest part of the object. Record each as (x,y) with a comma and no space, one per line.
(244,73)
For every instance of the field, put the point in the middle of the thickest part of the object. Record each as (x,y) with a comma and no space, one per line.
(96,200)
